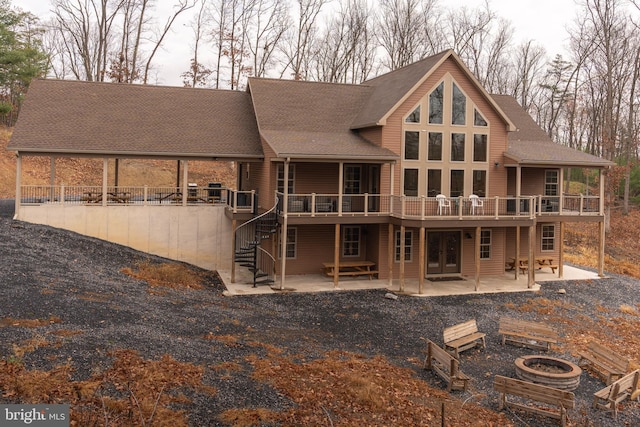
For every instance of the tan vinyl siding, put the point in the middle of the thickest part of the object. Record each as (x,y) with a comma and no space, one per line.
(315,245)
(393,130)
(321,178)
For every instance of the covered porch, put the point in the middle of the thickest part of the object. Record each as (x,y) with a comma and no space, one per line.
(466,285)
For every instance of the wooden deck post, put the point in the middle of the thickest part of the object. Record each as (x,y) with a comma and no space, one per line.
(336,256)
(390,252)
(477,256)
(402,233)
(234,225)
(421,246)
(532,250)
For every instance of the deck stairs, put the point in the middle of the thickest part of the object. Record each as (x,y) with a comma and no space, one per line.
(249,252)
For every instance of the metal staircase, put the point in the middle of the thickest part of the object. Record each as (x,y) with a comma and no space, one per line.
(249,252)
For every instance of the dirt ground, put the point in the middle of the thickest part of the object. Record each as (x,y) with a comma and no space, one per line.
(74,328)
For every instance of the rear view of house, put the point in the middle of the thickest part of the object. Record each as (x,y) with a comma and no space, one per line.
(418,173)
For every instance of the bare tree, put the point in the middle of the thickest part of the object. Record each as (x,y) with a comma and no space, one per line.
(345,54)
(299,41)
(84,27)
(529,64)
(401,32)
(269,26)
(198,74)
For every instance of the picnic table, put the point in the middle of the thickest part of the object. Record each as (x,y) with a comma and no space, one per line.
(540,262)
(350,268)
(112,196)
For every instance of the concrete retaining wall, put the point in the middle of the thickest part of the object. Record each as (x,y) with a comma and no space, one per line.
(199,235)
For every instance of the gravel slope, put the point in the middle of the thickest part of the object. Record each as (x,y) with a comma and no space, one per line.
(44,272)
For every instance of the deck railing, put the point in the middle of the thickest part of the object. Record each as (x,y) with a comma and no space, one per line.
(93,195)
(316,204)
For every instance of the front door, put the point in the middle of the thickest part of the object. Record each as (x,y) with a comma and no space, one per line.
(443,252)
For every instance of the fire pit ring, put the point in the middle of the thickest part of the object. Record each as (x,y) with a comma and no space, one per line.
(549,371)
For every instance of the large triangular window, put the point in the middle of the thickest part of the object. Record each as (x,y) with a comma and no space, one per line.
(458,106)
(478,119)
(414,117)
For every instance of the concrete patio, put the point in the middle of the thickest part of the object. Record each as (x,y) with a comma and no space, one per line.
(321,283)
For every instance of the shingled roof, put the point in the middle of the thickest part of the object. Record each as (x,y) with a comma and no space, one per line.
(530,145)
(76,117)
(303,119)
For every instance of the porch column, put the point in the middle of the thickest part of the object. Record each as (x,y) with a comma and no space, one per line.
(390,251)
(285,225)
(336,256)
(518,185)
(402,233)
(234,226)
(105,175)
(185,178)
(391,189)
(116,172)
(421,269)
(561,200)
(561,254)
(532,251)
(601,229)
(52,178)
(340,186)
(517,258)
(18,184)
(477,255)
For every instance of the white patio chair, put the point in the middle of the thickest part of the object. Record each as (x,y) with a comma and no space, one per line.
(477,205)
(444,204)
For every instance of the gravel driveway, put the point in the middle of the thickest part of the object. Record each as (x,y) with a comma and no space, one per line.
(47,272)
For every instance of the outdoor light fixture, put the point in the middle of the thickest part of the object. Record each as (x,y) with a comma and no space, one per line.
(496,164)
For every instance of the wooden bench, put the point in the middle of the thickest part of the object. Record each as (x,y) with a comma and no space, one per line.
(609,397)
(551,397)
(604,362)
(528,334)
(350,268)
(462,336)
(446,366)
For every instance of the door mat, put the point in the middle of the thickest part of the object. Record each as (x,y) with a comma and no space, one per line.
(444,279)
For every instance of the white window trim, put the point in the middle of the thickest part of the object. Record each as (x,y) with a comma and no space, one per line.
(280,178)
(291,231)
(543,238)
(397,251)
(486,244)
(344,240)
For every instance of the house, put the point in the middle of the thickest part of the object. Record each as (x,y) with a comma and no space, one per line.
(418,173)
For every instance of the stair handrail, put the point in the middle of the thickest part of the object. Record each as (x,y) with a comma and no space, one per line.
(257,218)
(246,235)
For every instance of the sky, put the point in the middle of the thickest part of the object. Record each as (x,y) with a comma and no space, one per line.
(544,21)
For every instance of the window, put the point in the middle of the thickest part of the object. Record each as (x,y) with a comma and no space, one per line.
(480,183)
(435,146)
(478,120)
(457,183)
(485,244)
(434,182)
(435,104)
(551,183)
(411,182)
(280,183)
(352,179)
(479,147)
(458,106)
(408,241)
(457,147)
(548,237)
(414,116)
(351,241)
(292,243)
(411,145)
